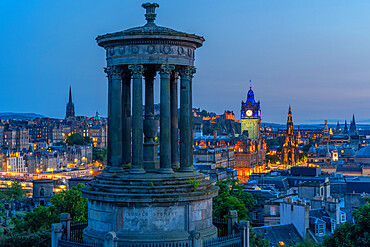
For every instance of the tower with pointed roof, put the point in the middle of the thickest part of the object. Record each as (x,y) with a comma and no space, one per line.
(338,129)
(290,153)
(250,115)
(345,131)
(70,109)
(326,133)
(352,127)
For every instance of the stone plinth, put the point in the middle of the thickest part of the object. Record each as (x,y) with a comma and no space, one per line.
(150,208)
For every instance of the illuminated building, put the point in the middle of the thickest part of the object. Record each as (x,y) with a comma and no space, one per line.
(16,163)
(325,133)
(250,115)
(16,138)
(70,109)
(250,148)
(290,153)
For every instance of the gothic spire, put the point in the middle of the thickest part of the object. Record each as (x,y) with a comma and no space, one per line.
(352,128)
(345,131)
(70,109)
(290,115)
(70,94)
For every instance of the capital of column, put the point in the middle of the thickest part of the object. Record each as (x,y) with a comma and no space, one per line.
(187,72)
(166,70)
(174,76)
(114,72)
(137,70)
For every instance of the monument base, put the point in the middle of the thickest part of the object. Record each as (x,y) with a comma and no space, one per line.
(150,208)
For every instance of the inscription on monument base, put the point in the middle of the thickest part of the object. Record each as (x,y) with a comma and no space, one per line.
(151,219)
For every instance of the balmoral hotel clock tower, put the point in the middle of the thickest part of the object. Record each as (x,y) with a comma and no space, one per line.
(251,116)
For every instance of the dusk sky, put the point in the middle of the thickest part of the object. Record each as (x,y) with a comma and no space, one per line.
(313,54)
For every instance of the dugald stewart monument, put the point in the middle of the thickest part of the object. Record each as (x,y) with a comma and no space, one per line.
(140,198)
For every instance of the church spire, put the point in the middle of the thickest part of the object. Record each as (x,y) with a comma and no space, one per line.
(345,131)
(70,109)
(70,94)
(352,128)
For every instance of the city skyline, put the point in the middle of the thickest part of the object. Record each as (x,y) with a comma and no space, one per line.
(265,42)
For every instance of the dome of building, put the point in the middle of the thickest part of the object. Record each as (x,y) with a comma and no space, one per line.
(363,152)
(150,31)
(250,94)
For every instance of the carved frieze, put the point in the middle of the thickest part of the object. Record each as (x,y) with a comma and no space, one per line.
(151,49)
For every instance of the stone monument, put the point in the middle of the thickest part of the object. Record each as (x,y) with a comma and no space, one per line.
(140,198)
(42,191)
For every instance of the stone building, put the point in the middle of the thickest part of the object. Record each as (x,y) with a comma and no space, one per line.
(98,135)
(16,138)
(140,198)
(16,163)
(219,156)
(42,191)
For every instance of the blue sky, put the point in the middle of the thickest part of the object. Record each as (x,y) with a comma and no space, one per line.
(312,54)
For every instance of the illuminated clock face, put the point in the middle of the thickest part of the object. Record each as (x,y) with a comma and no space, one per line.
(249,113)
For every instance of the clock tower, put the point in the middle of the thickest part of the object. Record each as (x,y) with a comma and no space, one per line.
(250,116)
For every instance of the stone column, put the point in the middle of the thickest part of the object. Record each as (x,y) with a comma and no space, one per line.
(165,119)
(150,162)
(186,144)
(174,122)
(137,118)
(126,118)
(114,118)
(193,70)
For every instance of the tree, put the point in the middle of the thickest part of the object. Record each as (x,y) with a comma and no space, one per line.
(232,197)
(204,113)
(77,139)
(70,201)
(305,148)
(272,158)
(99,154)
(352,234)
(13,192)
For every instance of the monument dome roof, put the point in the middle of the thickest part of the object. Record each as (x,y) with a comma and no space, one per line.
(150,31)
(363,152)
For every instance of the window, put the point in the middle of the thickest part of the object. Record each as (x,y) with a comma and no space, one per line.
(273,210)
(333,225)
(342,217)
(254,215)
(42,192)
(319,229)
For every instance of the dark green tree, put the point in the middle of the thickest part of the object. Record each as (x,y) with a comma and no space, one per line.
(99,154)
(232,197)
(77,139)
(204,113)
(13,192)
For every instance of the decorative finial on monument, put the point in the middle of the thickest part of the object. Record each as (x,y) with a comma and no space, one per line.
(250,84)
(150,12)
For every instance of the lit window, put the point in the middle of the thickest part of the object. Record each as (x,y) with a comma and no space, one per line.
(273,210)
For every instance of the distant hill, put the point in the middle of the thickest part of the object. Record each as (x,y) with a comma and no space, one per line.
(19,116)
